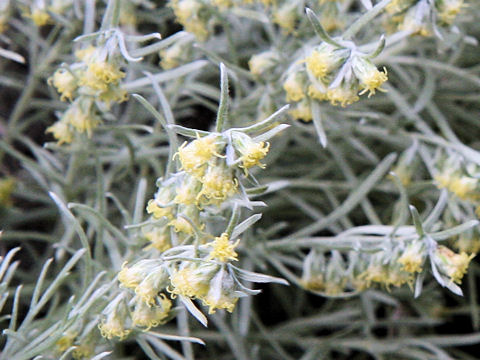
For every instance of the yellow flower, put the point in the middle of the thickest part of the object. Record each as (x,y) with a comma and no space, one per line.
(113,94)
(301,111)
(451,264)
(187,192)
(159,239)
(293,86)
(146,316)
(218,185)
(194,155)
(251,152)
(154,281)
(65,83)
(375,273)
(221,294)
(319,63)
(223,250)
(370,78)
(182,225)
(464,187)
(468,244)
(413,257)
(113,326)
(186,12)
(396,6)
(170,57)
(130,277)
(81,117)
(99,74)
(192,280)
(342,95)
(61,131)
(443,180)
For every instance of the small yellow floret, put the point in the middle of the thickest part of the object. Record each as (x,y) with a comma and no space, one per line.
(100,74)
(65,83)
(218,185)
(157,211)
(342,95)
(223,250)
(373,80)
(252,154)
(318,63)
(146,316)
(293,86)
(412,258)
(180,224)
(463,187)
(61,131)
(196,154)
(112,327)
(454,265)
(189,282)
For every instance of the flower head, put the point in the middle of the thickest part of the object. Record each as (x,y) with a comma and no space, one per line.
(251,152)
(196,154)
(152,284)
(113,325)
(61,131)
(218,185)
(65,83)
(294,87)
(222,249)
(413,257)
(192,279)
(452,264)
(344,94)
(130,277)
(370,78)
(221,293)
(148,316)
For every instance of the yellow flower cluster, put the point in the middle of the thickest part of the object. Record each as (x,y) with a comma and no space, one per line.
(396,268)
(463,186)
(94,79)
(205,180)
(316,78)
(206,281)
(416,17)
